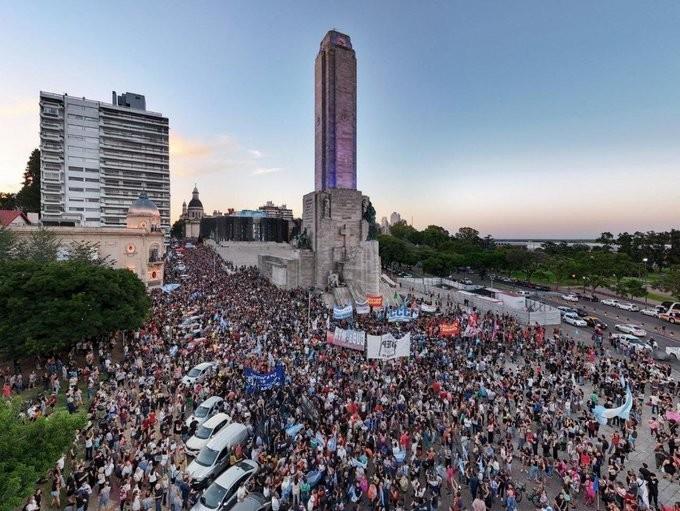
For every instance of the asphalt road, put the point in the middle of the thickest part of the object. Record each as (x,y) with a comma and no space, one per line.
(668,336)
(662,332)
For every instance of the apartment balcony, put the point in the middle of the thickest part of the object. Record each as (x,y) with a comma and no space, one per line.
(44,125)
(119,154)
(52,158)
(130,135)
(51,136)
(115,169)
(52,202)
(47,115)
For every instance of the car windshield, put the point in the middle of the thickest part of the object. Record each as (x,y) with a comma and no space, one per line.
(201,411)
(194,372)
(213,496)
(202,432)
(206,457)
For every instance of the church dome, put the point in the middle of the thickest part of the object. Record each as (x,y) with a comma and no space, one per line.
(195,203)
(143,206)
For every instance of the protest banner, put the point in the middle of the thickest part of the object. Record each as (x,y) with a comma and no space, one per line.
(352,339)
(449,329)
(386,347)
(375,300)
(342,312)
(264,381)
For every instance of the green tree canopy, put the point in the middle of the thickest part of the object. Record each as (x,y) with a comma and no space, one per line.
(48,307)
(28,198)
(405,232)
(177,229)
(671,282)
(434,236)
(28,449)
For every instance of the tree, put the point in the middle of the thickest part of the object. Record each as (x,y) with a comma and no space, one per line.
(177,229)
(369,216)
(29,448)
(434,236)
(8,244)
(593,281)
(28,198)
(607,240)
(42,246)
(635,288)
(395,251)
(562,267)
(673,255)
(8,200)
(88,252)
(48,307)
(440,265)
(525,261)
(406,232)
(469,235)
(671,282)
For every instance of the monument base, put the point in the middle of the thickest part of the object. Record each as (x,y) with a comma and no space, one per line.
(334,224)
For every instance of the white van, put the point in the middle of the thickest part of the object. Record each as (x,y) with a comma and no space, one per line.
(205,432)
(214,457)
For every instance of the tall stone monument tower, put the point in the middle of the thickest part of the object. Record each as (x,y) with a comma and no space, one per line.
(333,213)
(335,109)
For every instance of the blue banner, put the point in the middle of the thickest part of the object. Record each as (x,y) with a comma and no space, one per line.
(342,312)
(401,314)
(258,381)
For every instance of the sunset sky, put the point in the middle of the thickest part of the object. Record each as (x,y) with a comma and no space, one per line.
(521,119)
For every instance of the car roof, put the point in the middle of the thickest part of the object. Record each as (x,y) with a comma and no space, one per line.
(211,401)
(215,420)
(252,502)
(233,473)
(203,365)
(222,438)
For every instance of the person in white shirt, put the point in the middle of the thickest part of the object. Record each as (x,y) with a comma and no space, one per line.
(241,493)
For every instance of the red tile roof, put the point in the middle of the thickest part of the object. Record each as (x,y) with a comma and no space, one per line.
(7,216)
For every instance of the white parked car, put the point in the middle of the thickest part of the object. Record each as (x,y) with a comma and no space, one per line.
(674,352)
(222,493)
(650,312)
(199,373)
(205,432)
(628,307)
(610,301)
(570,298)
(627,340)
(205,410)
(631,328)
(573,319)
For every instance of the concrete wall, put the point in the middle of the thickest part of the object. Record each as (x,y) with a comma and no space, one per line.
(289,272)
(536,312)
(245,253)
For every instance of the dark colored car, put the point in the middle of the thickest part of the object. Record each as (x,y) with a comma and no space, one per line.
(595,322)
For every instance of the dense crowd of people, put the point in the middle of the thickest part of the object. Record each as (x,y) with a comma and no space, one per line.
(478,421)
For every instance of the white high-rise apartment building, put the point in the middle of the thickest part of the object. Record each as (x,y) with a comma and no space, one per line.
(97,158)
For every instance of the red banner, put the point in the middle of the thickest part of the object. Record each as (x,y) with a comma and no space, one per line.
(449,329)
(374,300)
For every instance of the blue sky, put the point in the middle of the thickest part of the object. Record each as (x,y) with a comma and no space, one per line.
(526,118)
